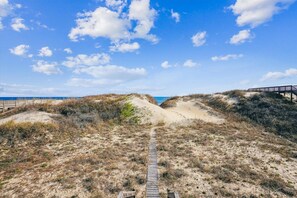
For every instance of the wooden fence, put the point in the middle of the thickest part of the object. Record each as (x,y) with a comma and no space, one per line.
(10,104)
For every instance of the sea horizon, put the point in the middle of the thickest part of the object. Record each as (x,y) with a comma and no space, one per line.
(159,99)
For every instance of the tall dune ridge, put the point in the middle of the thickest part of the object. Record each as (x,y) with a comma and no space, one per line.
(231,144)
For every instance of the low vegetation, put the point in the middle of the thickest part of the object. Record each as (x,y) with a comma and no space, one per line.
(234,159)
(96,147)
(93,139)
(273,111)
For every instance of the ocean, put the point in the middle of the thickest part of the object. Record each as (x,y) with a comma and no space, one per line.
(35,98)
(159,99)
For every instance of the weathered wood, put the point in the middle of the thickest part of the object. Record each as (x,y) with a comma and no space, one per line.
(291,89)
(172,194)
(10,104)
(152,189)
(127,194)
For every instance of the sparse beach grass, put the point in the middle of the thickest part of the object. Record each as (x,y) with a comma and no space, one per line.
(232,159)
(92,149)
(98,146)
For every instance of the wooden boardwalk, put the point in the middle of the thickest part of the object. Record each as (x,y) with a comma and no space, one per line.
(291,89)
(152,189)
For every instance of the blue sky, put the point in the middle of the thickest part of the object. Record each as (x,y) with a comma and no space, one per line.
(164,48)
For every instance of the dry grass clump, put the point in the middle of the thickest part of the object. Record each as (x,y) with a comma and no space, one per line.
(90,109)
(103,161)
(12,133)
(273,111)
(234,159)
(171,102)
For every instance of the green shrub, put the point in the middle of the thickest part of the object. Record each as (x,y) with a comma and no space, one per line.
(128,113)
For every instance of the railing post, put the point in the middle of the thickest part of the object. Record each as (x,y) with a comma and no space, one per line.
(291,93)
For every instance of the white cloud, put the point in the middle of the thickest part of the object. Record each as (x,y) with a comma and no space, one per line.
(112,71)
(117,5)
(117,25)
(279,75)
(199,39)
(140,11)
(175,16)
(18,25)
(190,63)
(257,12)
(45,51)
(166,65)
(5,9)
(20,50)
(125,47)
(82,60)
(46,67)
(43,26)
(100,23)
(68,50)
(242,37)
(226,57)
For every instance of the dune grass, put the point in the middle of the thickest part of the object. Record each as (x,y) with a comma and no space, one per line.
(273,111)
(92,140)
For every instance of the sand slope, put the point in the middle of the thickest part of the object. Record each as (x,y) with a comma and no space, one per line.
(185,111)
(30,116)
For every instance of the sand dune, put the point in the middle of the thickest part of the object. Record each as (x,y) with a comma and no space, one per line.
(184,111)
(31,116)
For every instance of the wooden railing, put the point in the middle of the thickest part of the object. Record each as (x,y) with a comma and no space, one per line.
(10,104)
(291,89)
(286,88)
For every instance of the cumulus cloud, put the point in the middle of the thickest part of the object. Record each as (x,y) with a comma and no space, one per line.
(117,5)
(242,37)
(190,63)
(141,12)
(46,67)
(117,25)
(175,16)
(257,12)
(5,9)
(279,75)
(82,60)
(125,47)
(166,65)
(45,51)
(20,50)
(18,25)
(68,50)
(100,23)
(226,57)
(199,39)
